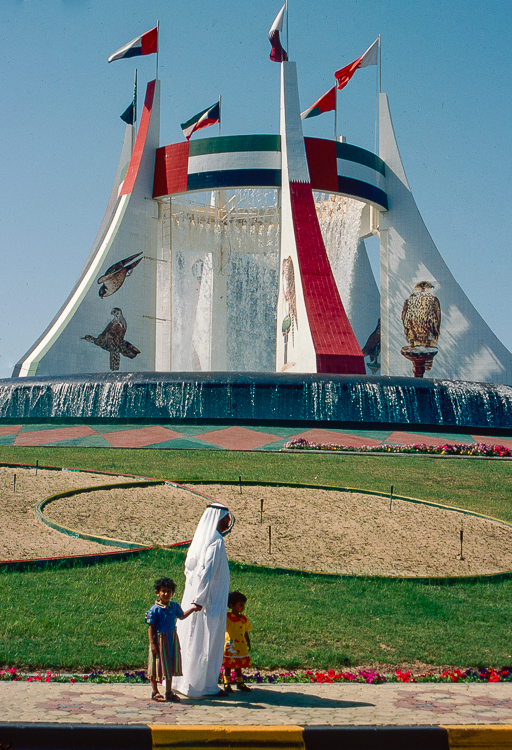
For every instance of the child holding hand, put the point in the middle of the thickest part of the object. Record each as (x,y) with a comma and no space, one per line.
(237,644)
(164,659)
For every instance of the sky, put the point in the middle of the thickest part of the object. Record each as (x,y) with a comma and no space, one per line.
(445,67)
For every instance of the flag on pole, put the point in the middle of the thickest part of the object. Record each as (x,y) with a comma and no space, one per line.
(129,116)
(278,54)
(145,44)
(326,103)
(370,57)
(203,119)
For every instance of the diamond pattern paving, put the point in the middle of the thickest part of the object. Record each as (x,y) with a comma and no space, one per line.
(493,441)
(138,438)
(46,437)
(411,438)
(338,438)
(210,437)
(238,438)
(11,429)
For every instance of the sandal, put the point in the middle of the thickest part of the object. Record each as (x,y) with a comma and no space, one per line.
(158,697)
(172,698)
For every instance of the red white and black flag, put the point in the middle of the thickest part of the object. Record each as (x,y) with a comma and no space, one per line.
(326,103)
(145,44)
(208,116)
(278,54)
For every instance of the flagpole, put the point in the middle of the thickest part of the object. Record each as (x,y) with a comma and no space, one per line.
(135,100)
(335,112)
(220,99)
(378,86)
(157,45)
(380,66)
(287,39)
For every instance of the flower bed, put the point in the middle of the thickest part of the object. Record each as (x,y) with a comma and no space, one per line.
(368,676)
(448,449)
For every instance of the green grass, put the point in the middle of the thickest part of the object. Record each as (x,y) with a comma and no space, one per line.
(84,618)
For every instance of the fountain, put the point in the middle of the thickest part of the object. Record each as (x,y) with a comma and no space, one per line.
(251,295)
(256,398)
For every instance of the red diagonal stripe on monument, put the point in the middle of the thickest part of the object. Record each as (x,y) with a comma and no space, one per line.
(138,149)
(336,347)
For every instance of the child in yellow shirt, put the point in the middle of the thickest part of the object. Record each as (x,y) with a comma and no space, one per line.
(237,644)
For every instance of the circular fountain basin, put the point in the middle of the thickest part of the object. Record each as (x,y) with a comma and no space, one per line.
(259,398)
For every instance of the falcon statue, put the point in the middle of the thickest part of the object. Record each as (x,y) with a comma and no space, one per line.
(114,276)
(421,316)
(112,339)
(289,292)
(372,347)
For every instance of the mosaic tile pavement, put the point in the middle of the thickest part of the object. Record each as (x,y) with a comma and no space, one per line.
(217,437)
(306,704)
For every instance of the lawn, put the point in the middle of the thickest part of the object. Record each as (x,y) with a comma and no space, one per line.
(82,618)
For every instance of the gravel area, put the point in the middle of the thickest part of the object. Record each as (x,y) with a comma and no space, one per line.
(315,530)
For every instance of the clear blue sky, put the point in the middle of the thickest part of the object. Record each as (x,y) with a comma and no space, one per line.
(445,67)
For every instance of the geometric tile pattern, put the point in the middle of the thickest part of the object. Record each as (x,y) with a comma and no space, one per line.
(340,705)
(140,438)
(339,438)
(235,438)
(410,438)
(49,436)
(217,437)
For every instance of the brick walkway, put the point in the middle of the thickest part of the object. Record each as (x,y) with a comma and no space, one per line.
(267,705)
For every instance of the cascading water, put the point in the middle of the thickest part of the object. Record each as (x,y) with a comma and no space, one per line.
(278,398)
(340,221)
(223,249)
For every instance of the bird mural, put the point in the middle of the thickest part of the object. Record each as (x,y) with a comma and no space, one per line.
(372,347)
(421,316)
(289,292)
(114,277)
(112,339)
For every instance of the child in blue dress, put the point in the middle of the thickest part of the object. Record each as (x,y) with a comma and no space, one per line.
(164,661)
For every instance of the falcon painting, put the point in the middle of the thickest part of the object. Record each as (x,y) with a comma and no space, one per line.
(372,347)
(114,277)
(421,316)
(112,339)
(290,296)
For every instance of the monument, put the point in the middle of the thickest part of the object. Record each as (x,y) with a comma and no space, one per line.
(230,279)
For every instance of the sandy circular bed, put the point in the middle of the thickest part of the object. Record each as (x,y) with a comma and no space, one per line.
(315,530)
(23,536)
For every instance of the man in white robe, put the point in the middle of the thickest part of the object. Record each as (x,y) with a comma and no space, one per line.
(207,585)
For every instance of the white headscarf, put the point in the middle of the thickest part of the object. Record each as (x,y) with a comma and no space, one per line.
(205,534)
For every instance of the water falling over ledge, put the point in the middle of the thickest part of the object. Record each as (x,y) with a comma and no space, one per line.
(333,400)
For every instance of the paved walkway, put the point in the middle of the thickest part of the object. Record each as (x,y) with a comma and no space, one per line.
(219,437)
(291,704)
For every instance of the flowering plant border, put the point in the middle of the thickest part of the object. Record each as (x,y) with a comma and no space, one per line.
(368,676)
(448,449)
